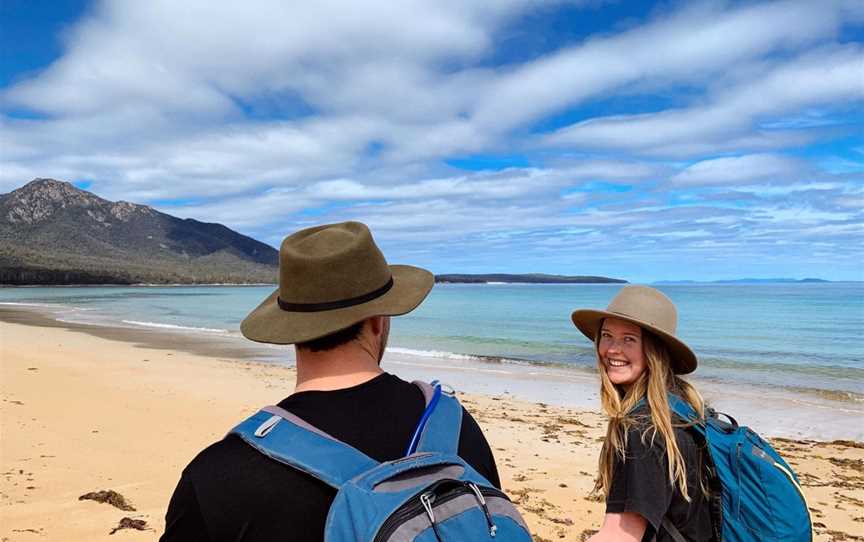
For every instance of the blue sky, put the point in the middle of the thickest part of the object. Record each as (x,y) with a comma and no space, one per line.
(673,140)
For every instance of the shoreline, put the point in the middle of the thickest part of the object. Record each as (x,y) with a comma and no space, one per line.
(143,337)
(773,411)
(93,412)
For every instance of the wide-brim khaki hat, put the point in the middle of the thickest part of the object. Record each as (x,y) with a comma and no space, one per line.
(330,278)
(648,308)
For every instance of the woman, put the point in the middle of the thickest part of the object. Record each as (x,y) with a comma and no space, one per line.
(651,465)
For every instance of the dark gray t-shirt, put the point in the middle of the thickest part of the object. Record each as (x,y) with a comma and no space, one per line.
(640,484)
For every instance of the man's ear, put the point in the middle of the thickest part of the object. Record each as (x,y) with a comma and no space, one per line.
(376,325)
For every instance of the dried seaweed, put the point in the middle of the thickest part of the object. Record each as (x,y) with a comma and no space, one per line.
(111,497)
(129,523)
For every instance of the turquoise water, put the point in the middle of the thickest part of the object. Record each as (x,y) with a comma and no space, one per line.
(800,337)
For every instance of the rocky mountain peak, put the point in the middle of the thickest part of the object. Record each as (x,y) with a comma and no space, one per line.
(40,199)
(53,190)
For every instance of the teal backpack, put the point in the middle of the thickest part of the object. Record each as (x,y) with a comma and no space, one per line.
(430,495)
(760,498)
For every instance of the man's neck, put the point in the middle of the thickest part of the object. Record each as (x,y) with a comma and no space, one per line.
(336,369)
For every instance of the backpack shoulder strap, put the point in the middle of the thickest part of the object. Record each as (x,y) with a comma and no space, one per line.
(288,439)
(686,412)
(444,424)
(682,409)
(672,530)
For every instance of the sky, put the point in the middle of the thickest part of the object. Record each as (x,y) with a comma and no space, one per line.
(637,140)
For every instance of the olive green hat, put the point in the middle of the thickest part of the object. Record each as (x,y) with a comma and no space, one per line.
(331,277)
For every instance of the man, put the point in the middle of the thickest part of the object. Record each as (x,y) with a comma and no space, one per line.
(335,298)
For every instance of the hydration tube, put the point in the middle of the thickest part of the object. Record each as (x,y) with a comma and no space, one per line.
(415,440)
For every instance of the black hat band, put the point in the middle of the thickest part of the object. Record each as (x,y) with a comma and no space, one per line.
(332,305)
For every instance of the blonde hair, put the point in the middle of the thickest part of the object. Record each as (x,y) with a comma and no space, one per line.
(653,384)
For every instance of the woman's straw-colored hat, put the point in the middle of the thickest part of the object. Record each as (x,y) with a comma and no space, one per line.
(649,309)
(331,277)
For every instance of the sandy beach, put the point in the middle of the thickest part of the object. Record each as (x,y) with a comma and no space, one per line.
(84,410)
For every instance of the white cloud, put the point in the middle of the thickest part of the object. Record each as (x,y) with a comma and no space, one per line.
(850,201)
(194,57)
(162,70)
(828,77)
(804,215)
(749,169)
(688,46)
(268,116)
(435,188)
(510,188)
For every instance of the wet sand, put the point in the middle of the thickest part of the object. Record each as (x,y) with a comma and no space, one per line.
(86,409)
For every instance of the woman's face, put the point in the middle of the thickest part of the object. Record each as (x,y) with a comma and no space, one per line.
(621,353)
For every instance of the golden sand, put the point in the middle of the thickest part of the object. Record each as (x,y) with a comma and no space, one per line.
(81,413)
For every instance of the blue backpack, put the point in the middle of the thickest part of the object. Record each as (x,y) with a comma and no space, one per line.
(760,497)
(430,495)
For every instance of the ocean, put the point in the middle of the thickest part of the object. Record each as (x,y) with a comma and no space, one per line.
(771,346)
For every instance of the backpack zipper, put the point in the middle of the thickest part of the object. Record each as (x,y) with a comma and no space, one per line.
(479,494)
(738,446)
(426,500)
(415,506)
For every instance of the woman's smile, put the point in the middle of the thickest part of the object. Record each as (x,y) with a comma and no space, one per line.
(620,348)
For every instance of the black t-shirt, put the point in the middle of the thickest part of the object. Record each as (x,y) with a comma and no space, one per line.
(231,492)
(640,484)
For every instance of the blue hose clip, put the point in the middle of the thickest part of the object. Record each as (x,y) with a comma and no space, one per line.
(415,440)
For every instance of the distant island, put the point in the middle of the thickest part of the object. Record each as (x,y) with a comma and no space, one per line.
(531,278)
(742,281)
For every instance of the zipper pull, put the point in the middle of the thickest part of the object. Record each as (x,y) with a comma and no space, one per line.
(426,499)
(493,529)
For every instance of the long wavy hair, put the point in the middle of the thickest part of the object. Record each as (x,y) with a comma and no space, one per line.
(653,384)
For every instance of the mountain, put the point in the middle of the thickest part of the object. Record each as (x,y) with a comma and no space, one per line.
(532,278)
(767,281)
(54,233)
